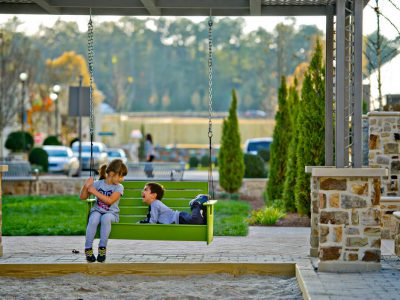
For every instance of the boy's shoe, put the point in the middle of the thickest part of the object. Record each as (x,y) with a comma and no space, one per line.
(89,255)
(101,257)
(200,200)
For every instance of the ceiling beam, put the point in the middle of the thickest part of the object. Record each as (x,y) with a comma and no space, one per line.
(98,3)
(189,4)
(150,5)
(47,7)
(255,7)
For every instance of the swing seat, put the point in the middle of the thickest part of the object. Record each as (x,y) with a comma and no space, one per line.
(177,196)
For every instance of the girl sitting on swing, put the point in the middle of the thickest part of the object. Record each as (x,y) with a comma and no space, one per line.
(107,190)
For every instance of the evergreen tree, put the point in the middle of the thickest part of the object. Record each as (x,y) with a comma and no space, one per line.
(230,158)
(311,125)
(291,162)
(279,146)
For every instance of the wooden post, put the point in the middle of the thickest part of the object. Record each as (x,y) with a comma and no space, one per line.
(3,168)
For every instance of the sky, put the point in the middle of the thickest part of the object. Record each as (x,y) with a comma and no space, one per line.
(32,22)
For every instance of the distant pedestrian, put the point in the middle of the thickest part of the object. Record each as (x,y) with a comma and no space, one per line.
(150,154)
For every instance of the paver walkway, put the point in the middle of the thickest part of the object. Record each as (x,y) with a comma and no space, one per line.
(262,245)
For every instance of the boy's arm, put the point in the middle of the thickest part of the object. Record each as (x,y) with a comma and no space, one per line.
(109,200)
(154,215)
(84,191)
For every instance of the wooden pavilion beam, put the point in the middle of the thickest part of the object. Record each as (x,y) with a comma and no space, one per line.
(255,7)
(47,7)
(150,5)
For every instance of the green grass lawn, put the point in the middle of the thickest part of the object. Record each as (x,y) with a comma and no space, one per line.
(51,215)
(65,215)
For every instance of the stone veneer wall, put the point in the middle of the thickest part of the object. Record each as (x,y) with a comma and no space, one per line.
(384,148)
(346,218)
(2,169)
(384,152)
(251,188)
(397,235)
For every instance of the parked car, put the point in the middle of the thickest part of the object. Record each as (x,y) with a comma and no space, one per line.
(114,153)
(252,146)
(100,155)
(61,159)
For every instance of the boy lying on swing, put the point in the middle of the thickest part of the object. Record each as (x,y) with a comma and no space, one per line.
(159,213)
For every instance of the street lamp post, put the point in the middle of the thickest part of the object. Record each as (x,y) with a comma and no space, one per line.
(23,77)
(54,97)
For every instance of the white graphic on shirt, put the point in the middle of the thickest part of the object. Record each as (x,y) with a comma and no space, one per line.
(100,203)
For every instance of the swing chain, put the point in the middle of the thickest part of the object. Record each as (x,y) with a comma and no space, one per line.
(210,77)
(210,133)
(91,105)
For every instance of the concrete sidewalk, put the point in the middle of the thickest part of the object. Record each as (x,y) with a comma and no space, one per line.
(262,245)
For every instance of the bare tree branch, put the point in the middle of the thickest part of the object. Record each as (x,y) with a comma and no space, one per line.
(395,6)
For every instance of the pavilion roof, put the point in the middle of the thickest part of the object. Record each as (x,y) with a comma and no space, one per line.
(170,7)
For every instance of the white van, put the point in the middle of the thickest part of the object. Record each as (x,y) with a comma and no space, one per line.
(252,146)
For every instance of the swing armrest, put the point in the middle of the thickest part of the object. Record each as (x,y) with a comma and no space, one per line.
(210,219)
(89,205)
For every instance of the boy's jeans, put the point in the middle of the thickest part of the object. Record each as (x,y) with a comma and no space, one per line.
(195,218)
(95,219)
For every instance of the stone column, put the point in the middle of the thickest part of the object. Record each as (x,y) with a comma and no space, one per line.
(397,234)
(3,168)
(384,148)
(384,152)
(347,202)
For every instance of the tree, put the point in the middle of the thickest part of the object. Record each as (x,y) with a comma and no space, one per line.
(291,162)
(379,49)
(230,159)
(15,56)
(311,129)
(66,70)
(279,146)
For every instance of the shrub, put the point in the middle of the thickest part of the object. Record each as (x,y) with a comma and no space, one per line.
(264,154)
(254,166)
(52,140)
(193,162)
(310,149)
(265,216)
(39,156)
(291,164)
(279,146)
(19,141)
(231,164)
(204,160)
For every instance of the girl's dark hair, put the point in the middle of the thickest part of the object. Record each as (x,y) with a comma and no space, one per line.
(116,166)
(149,138)
(156,188)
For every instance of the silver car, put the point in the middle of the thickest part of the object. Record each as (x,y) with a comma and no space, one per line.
(62,160)
(114,153)
(100,156)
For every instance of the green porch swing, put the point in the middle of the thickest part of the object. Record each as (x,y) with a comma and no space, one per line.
(177,193)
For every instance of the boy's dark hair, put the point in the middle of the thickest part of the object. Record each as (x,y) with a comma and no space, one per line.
(156,188)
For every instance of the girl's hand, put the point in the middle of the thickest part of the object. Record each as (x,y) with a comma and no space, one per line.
(91,189)
(89,182)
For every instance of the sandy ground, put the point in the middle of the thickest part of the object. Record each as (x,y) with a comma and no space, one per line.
(79,286)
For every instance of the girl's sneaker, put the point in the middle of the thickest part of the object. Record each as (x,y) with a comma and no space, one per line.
(89,255)
(101,257)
